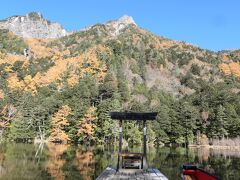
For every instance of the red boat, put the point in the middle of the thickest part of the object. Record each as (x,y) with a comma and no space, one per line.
(191,172)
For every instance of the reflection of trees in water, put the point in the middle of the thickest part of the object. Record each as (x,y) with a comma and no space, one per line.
(203,154)
(221,162)
(2,160)
(17,161)
(169,160)
(85,163)
(226,153)
(55,162)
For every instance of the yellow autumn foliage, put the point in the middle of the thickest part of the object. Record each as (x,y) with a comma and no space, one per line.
(14,83)
(8,69)
(232,68)
(86,125)
(27,84)
(40,50)
(1,94)
(77,67)
(11,59)
(84,162)
(59,121)
(55,162)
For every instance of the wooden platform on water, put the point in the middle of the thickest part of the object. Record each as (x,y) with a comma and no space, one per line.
(131,174)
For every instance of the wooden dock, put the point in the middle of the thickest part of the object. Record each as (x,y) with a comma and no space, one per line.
(132,165)
(131,174)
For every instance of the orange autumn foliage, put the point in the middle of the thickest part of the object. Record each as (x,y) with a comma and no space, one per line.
(86,125)
(76,67)
(37,46)
(27,84)
(12,58)
(85,63)
(59,121)
(232,68)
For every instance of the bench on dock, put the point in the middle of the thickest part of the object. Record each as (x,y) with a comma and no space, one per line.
(131,160)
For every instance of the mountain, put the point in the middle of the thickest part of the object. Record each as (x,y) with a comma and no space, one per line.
(114,27)
(33,25)
(113,66)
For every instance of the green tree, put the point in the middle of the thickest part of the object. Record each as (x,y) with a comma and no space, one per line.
(195,69)
(106,129)
(218,123)
(188,116)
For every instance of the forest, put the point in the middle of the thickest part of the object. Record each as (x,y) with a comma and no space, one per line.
(64,91)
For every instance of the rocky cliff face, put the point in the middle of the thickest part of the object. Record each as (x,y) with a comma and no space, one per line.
(115,27)
(33,25)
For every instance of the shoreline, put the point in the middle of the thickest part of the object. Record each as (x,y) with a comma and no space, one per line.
(215,147)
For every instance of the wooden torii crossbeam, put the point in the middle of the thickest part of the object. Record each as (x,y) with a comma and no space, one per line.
(128,160)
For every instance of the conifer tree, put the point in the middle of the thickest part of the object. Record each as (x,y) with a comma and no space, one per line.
(59,122)
(86,126)
(217,128)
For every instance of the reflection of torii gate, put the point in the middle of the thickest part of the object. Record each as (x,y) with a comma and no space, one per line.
(133,160)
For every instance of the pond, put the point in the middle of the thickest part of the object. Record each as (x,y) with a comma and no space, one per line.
(51,161)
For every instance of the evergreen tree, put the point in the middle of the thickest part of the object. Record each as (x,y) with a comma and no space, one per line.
(218,123)
(176,133)
(162,125)
(188,116)
(107,129)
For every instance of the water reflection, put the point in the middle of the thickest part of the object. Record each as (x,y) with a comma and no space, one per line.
(18,162)
(26,161)
(55,161)
(85,162)
(203,154)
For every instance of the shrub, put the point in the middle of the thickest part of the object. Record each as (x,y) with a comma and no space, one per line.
(11,43)
(195,69)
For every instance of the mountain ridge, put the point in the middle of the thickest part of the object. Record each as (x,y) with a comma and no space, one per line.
(34,25)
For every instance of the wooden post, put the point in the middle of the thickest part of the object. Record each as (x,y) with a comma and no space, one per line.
(120,136)
(144,145)
(119,165)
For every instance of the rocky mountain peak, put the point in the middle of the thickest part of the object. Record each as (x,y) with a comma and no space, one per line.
(33,25)
(116,26)
(126,20)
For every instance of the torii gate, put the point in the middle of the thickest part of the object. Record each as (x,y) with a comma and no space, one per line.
(131,160)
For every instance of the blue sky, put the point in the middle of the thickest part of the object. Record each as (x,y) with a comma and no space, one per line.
(211,24)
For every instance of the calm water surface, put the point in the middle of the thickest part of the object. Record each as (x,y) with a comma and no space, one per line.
(27,161)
